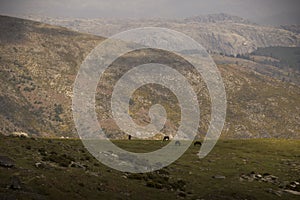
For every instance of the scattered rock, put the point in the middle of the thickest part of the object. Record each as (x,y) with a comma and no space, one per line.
(294,185)
(219,177)
(38,165)
(289,187)
(246,177)
(293,192)
(92,173)
(266,177)
(20,134)
(258,176)
(76,165)
(41,165)
(6,162)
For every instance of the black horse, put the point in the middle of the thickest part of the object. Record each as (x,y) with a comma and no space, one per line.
(197,143)
(166,138)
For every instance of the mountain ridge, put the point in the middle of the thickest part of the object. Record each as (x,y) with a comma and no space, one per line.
(219,33)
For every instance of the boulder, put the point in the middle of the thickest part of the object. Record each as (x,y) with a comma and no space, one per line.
(20,134)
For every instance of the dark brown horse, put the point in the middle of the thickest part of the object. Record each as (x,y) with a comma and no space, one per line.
(197,143)
(166,138)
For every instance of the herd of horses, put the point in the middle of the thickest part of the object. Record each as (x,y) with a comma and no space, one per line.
(177,142)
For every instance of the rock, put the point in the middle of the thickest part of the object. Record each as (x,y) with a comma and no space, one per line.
(293,192)
(92,173)
(20,134)
(38,164)
(258,176)
(41,165)
(76,165)
(219,177)
(294,185)
(266,177)
(6,162)
(15,183)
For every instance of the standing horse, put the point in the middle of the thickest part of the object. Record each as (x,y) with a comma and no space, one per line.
(197,143)
(166,138)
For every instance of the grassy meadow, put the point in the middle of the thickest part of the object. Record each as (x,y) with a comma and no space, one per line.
(62,168)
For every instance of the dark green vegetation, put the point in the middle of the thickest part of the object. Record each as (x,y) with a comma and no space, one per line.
(287,56)
(57,169)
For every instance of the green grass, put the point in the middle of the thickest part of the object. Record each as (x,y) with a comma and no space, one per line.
(189,176)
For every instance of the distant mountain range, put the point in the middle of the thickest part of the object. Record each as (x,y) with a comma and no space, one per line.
(219,33)
(39,63)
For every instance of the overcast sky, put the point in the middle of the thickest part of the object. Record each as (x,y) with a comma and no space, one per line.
(260,11)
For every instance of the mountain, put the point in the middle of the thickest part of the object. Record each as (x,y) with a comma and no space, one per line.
(39,63)
(219,33)
(216,18)
(293,28)
(38,66)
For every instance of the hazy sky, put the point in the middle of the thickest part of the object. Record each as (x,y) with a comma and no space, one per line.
(260,11)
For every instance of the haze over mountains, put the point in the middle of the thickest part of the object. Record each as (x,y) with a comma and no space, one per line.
(39,63)
(219,33)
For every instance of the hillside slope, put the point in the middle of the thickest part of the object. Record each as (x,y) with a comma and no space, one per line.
(39,63)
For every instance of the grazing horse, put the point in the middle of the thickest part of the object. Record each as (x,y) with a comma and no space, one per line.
(129,137)
(197,143)
(177,143)
(166,138)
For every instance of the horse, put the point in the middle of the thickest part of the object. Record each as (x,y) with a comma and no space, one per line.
(166,138)
(197,143)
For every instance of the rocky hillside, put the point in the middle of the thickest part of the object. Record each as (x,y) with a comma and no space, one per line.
(39,63)
(220,33)
(38,66)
